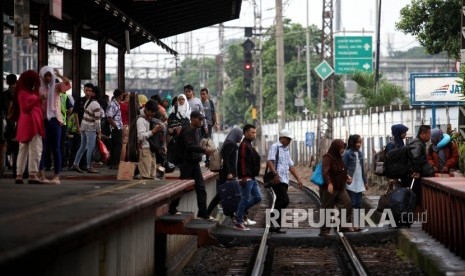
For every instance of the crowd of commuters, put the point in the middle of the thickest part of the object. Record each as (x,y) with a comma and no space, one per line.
(51,130)
(345,176)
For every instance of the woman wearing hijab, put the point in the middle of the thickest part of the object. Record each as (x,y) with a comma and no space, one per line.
(179,116)
(229,170)
(443,154)
(30,130)
(50,89)
(333,193)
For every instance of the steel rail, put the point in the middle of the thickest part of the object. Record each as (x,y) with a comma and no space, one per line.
(354,259)
(263,248)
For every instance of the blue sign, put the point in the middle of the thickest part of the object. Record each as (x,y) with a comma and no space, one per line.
(309,138)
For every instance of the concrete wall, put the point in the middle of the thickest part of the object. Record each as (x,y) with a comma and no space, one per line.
(130,249)
(126,251)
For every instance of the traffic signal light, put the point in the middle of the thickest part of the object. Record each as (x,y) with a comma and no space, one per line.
(248,46)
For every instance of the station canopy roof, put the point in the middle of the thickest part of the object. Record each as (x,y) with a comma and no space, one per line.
(146,21)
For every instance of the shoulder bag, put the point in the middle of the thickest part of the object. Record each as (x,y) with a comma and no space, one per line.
(269,175)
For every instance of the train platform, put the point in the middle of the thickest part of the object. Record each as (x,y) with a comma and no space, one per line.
(41,223)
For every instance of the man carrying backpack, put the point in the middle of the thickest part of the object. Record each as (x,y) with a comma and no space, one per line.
(419,162)
(399,132)
(147,162)
(190,166)
(211,117)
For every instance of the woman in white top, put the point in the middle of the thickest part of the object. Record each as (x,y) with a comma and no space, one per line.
(353,160)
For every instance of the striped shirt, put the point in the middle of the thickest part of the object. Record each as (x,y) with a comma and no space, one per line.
(92,116)
(284,161)
(114,112)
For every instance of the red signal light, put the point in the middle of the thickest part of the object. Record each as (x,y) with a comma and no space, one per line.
(248,66)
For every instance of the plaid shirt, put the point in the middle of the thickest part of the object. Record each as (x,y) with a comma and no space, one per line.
(114,112)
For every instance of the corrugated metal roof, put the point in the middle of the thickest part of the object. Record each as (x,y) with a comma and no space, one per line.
(151,20)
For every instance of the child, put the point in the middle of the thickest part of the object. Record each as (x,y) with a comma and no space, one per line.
(353,160)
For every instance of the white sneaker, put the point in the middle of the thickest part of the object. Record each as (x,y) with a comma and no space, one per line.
(249,222)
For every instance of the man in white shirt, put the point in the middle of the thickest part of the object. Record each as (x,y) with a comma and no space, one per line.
(280,162)
(147,161)
(195,104)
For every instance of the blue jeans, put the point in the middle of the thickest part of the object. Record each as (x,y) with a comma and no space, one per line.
(87,143)
(52,143)
(356,199)
(250,195)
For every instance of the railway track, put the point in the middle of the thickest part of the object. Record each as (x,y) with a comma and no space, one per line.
(277,254)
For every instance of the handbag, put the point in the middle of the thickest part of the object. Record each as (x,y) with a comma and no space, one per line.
(104,153)
(215,162)
(126,170)
(383,202)
(317,175)
(268,177)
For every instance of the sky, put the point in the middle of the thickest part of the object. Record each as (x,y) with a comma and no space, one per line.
(356,15)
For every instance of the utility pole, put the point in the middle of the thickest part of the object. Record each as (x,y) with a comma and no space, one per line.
(338,16)
(378,42)
(328,84)
(309,84)
(462,63)
(220,66)
(258,92)
(280,64)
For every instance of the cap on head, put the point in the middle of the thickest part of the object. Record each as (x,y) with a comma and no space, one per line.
(196,114)
(285,133)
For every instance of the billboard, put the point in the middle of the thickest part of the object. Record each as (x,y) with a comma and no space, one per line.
(441,89)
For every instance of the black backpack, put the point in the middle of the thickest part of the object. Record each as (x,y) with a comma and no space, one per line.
(397,163)
(176,149)
(156,141)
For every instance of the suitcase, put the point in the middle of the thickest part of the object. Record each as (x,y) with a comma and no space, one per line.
(229,196)
(402,204)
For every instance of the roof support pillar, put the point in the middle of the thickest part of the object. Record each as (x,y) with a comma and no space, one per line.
(101,56)
(43,37)
(121,69)
(2,43)
(76,62)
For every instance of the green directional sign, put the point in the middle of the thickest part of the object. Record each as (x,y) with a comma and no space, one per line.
(353,53)
(324,70)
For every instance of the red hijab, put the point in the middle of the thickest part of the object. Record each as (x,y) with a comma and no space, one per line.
(29,81)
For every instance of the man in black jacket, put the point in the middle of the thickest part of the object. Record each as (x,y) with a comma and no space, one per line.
(248,167)
(190,166)
(420,166)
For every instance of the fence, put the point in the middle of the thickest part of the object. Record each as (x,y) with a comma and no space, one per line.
(373,124)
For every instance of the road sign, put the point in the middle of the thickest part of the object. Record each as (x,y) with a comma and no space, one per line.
(309,138)
(324,70)
(353,53)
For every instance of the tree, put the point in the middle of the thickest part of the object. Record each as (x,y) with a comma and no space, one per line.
(199,73)
(295,69)
(435,23)
(388,93)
